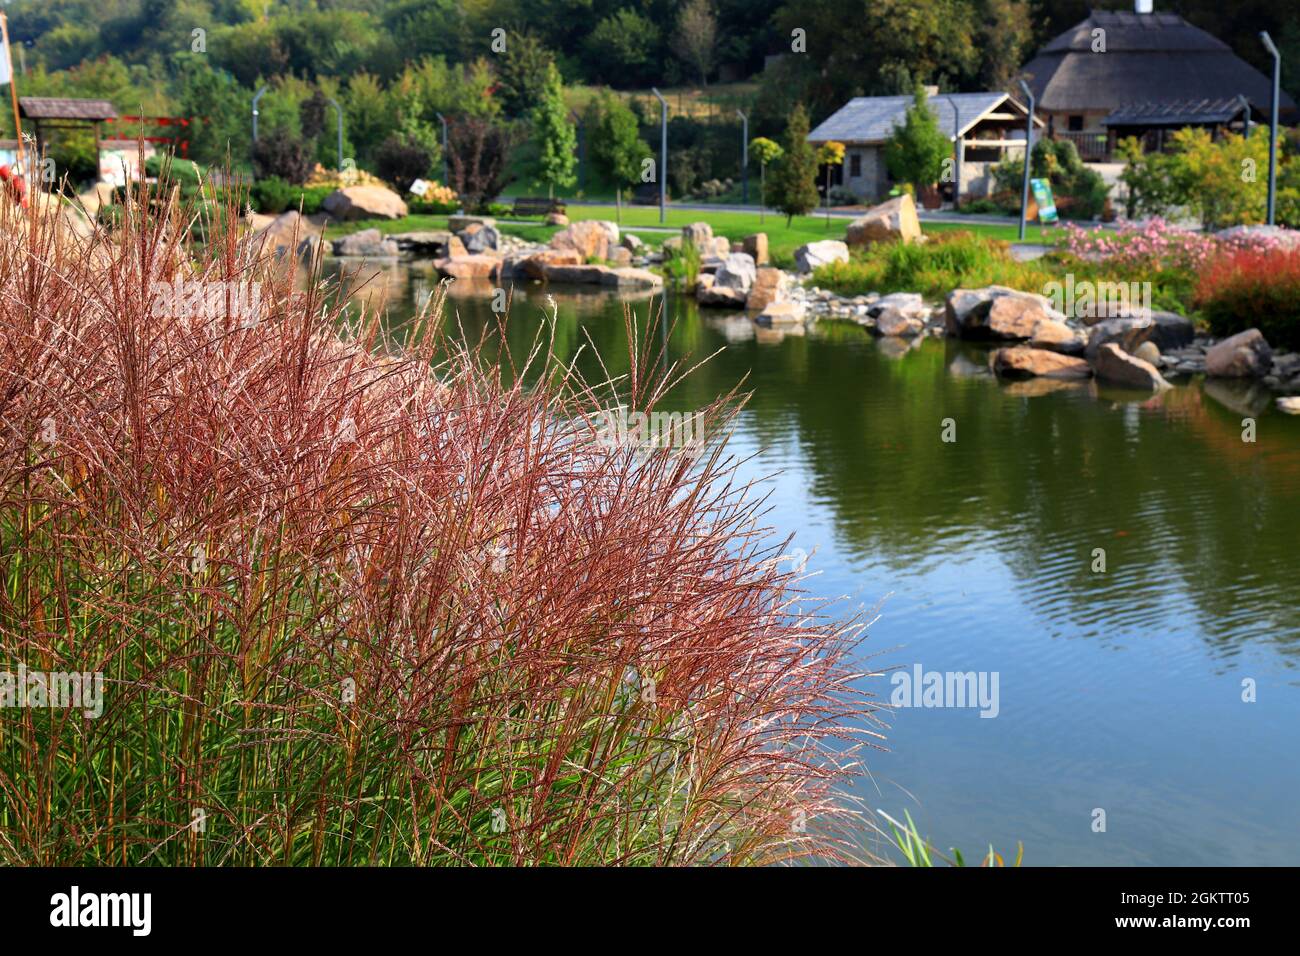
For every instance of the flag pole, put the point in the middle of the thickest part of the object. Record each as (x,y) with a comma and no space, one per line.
(13,93)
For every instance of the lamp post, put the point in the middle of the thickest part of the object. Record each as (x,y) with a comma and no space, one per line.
(957,151)
(1272,133)
(1029,154)
(744,157)
(663,152)
(257,96)
(582,150)
(339,111)
(446,180)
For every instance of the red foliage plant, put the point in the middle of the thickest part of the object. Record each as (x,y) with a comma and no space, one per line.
(360,602)
(1252,287)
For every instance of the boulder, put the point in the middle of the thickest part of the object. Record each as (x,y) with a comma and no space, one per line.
(480,237)
(736,272)
(892,221)
(588,238)
(720,247)
(576,274)
(894,323)
(756,246)
(459,223)
(966,312)
(1114,366)
(1057,337)
(370,243)
(469,267)
(557,219)
(629,278)
(364,202)
(815,254)
(631,243)
(1147,352)
(707,293)
(769,286)
(1037,363)
(699,233)
(1166,330)
(1013,317)
(534,266)
(1244,355)
(901,314)
(620,256)
(290,232)
(672,246)
(1117,331)
(781,314)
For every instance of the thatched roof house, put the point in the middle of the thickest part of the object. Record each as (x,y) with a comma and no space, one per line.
(1115,60)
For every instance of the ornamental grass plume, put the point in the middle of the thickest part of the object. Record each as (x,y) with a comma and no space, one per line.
(358,602)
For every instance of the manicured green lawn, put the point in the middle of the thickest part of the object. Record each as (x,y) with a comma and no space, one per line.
(782,239)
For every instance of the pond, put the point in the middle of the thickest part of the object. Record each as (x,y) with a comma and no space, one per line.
(1163,690)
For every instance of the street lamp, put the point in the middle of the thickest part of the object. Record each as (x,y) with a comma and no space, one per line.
(257,96)
(1272,134)
(339,110)
(1029,153)
(957,151)
(446,179)
(663,152)
(744,157)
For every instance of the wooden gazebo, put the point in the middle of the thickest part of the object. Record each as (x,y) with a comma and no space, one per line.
(49,112)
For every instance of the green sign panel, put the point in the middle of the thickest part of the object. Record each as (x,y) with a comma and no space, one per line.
(1043,196)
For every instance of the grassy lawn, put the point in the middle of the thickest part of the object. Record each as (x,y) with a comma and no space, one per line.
(782,239)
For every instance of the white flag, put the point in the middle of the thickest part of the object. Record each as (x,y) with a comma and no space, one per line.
(6,71)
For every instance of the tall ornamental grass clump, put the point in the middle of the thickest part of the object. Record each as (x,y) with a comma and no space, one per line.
(357,602)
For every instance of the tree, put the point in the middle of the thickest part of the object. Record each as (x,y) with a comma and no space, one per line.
(616,146)
(401,162)
(478,158)
(796,174)
(522,73)
(765,151)
(696,36)
(557,139)
(915,152)
(280,153)
(621,47)
(829,154)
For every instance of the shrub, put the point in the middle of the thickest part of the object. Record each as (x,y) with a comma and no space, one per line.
(1080,192)
(1250,288)
(281,154)
(273,195)
(953,260)
(321,583)
(401,162)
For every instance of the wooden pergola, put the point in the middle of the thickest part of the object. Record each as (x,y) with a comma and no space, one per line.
(49,112)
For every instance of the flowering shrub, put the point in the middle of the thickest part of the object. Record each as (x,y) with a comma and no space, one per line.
(356,602)
(1243,288)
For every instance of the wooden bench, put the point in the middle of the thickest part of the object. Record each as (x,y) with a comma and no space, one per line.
(536,206)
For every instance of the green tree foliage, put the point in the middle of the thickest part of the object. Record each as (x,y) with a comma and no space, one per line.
(621,49)
(522,73)
(796,175)
(915,152)
(555,135)
(1079,190)
(615,143)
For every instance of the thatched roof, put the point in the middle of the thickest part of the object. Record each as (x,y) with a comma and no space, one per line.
(53,107)
(871,119)
(1152,57)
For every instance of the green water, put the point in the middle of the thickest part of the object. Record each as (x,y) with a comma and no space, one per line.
(1119,691)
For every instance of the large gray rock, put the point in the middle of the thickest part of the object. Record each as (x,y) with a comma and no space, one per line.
(892,221)
(698,233)
(364,202)
(1114,366)
(813,255)
(1244,355)
(781,314)
(707,292)
(736,272)
(1037,363)
(370,243)
(1119,331)
(480,237)
(290,233)
(997,313)
(1057,337)
(899,314)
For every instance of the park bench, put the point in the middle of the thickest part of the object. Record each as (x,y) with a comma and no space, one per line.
(536,206)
